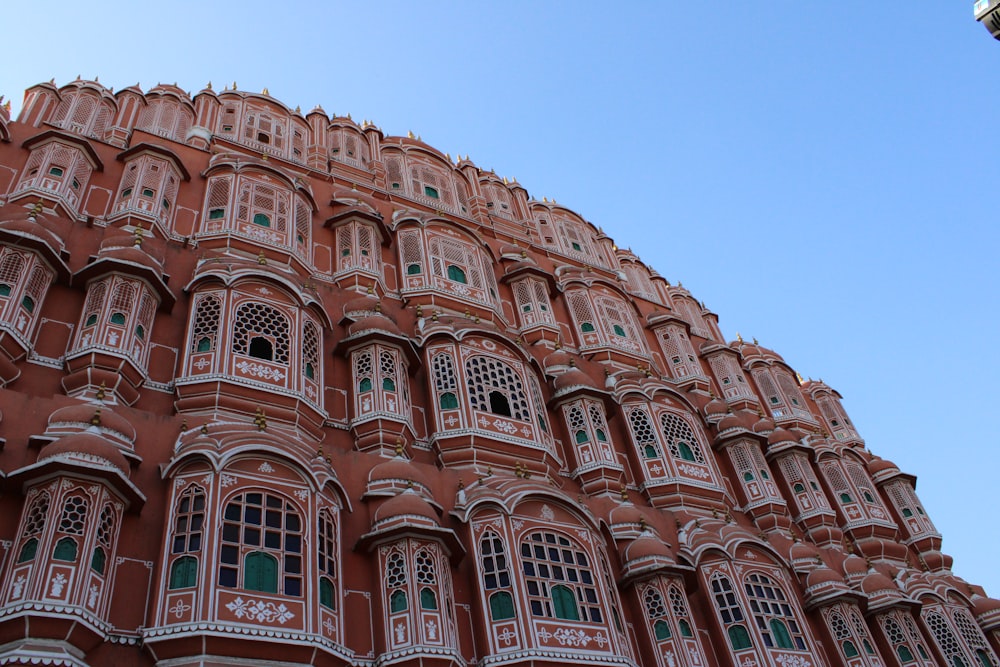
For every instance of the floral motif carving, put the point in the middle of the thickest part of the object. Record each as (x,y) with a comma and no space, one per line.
(260,610)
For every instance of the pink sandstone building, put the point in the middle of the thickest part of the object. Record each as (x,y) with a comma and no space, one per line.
(279,389)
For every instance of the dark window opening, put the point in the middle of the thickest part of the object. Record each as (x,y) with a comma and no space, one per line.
(261,348)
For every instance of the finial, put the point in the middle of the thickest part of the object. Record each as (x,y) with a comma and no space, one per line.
(623,492)
(96,419)
(298,109)
(643,526)
(434,317)
(266,92)
(505,180)
(371,290)
(204,429)
(184,424)
(209,86)
(461,484)
(799,377)
(261,259)
(319,451)
(234,85)
(138,235)
(419,310)
(399,447)
(101,391)
(260,420)
(739,337)
(489,471)
(409,134)
(448,155)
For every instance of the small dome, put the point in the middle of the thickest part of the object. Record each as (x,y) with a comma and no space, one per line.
(984,605)
(763,425)
(645,547)
(823,575)
(715,408)
(22,225)
(559,358)
(397,469)
(879,466)
(780,435)
(876,582)
(405,504)
(730,422)
(626,513)
(854,566)
(801,552)
(375,322)
(366,303)
(131,255)
(87,447)
(572,379)
(82,417)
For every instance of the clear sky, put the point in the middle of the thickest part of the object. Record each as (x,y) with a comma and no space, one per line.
(818,173)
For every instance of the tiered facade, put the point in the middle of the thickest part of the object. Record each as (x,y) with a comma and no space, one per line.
(280,389)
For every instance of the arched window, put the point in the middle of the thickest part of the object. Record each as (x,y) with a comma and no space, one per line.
(773,613)
(731,612)
(261,348)
(564,603)
(257,529)
(326,597)
(428,600)
(206,323)
(28,550)
(65,549)
(397,582)
(558,578)
(262,332)
(260,572)
(457,274)
(328,558)
(680,439)
(501,606)
(448,401)
(495,386)
(183,573)
(34,523)
(739,638)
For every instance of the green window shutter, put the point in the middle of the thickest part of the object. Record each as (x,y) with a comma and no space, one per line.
(98,560)
(184,572)
(649,451)
(456,273)
(600,436)
(581,437)
(781,636)
(117,318)
(413,269)
(260,572)
(205,344)
(501,606)
(564,603)
(428,600)
(28,551)
(262,220)
(850,650)
(326,593)
(388,384)
(365,385)
(661,630)
(685,451)
(397,601)
(586,327)
(65,549)
(739,638)
(685,628)
(448,401)
(904,653)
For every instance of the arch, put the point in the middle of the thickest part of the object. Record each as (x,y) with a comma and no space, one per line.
(183,573)
(501,606)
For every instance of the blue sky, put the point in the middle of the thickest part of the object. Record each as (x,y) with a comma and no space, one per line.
(817,173)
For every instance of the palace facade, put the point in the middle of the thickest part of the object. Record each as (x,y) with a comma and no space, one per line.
(279,389)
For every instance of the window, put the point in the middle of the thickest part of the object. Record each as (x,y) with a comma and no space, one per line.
(501,606)
(457,274)
(431,192)
(261,220)
(183,573)
(206,323)
(28,551)
(65,550)
(396,581)
(558,579)
(265,325)
(773,614)
(496,576)
(731,612)
(257,529)
(328,557)
(495,386)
